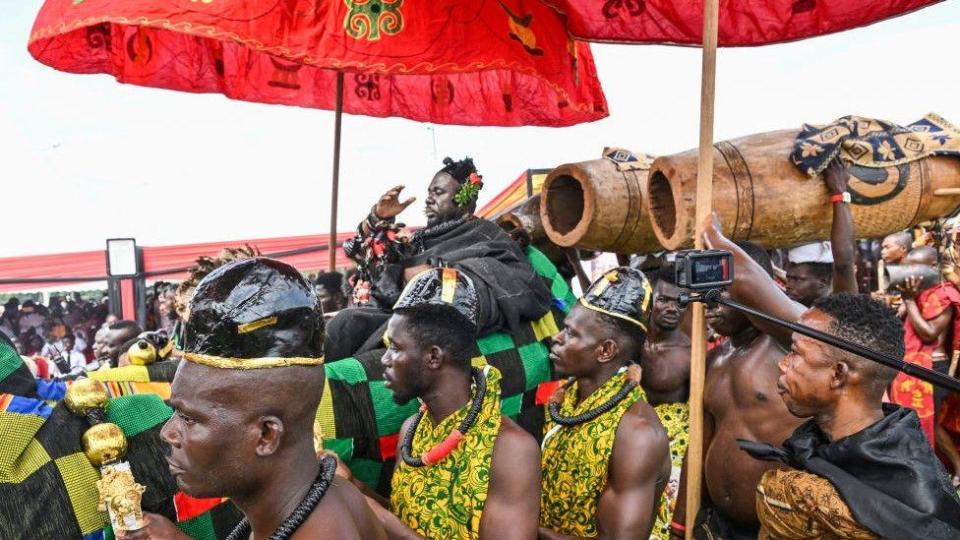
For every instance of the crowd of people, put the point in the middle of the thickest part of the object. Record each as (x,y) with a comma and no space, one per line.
(801,439)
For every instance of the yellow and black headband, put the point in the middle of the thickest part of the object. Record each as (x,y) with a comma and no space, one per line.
(623,293)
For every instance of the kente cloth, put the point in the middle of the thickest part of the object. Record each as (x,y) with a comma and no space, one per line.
(575,460)
(740,22)
(887,474)
(510,290)
(48,486)
(910,391)
(445,501)
(503,63)
(675,417)
(797,505)
(873,143)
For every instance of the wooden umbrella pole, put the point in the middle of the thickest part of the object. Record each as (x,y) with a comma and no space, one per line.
(698,350)
(335,185)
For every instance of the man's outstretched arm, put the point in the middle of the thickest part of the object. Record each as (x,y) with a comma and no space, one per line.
(841,232)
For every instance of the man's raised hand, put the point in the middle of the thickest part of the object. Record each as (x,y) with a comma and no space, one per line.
(389,205)
(835,176)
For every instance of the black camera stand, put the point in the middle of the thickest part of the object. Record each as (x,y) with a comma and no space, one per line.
(714,296)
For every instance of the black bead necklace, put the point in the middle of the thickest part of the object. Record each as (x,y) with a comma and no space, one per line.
(443,449)
(328,467)
(554,406)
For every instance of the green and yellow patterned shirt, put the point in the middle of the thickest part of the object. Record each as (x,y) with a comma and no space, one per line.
(445,501)
(574,460)
(675,417)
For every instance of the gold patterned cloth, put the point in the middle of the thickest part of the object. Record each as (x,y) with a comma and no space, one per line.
(675,417)
(797,505)
(445,501)
(574,460)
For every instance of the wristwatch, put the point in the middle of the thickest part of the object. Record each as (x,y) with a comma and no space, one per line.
(840,197)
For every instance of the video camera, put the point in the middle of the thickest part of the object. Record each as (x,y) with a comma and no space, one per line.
(704,273)
(699,270)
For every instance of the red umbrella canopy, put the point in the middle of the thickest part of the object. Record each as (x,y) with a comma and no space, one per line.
(742,22)
(473,62)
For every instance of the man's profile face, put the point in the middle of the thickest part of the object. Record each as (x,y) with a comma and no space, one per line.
(207,434)
(439,204)
(574,350)
(725,320)
(113,343)
(807,371)
(666,313)
(405,372)
(98,344)
(803,285)
(68,343)
(891,251)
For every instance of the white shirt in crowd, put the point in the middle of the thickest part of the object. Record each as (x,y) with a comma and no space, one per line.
(76,360)
(50,350)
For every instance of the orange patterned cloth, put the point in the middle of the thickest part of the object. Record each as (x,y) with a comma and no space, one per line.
(912,392)
(797,505)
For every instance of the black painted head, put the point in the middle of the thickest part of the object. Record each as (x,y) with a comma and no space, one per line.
(255,308)
(623,293)
(442,287)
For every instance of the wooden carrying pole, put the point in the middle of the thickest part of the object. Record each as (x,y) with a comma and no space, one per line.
(698,350)
(335,185)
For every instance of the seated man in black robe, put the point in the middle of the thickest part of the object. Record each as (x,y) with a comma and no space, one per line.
(510,291)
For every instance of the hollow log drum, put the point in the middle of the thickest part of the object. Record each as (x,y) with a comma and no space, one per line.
(762,197)
(594,205)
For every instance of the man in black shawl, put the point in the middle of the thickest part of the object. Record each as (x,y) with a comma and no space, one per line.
(860,468)
(510,291)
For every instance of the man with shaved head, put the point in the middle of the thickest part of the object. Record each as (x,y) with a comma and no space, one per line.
(245,398)
(894,248)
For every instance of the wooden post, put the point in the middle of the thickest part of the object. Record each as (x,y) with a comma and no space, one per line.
(698,350)
(335,185)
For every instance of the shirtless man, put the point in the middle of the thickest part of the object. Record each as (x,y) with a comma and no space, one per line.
(245,398)
(741,401)
(666,353)
(666,375)
(741,398)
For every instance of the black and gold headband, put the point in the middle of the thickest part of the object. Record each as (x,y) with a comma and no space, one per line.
(623,293)
(254,314)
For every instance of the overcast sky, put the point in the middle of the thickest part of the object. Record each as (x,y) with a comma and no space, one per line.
(83,158)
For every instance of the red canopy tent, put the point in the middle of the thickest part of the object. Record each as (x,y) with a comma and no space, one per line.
(307,253)
(740,22)
(503,63)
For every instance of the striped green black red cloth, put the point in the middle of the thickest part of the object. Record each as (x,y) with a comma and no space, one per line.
(47,485)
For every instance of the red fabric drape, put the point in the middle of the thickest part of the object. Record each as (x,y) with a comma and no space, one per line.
(503,62)
(741,23)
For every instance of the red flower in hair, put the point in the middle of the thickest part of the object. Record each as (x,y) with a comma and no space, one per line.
(475,178)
